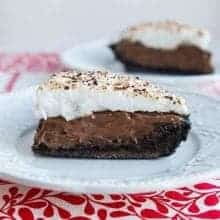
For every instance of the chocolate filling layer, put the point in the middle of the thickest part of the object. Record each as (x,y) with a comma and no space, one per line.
(112,135)
(185,58)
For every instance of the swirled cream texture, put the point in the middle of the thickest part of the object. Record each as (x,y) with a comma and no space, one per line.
(167,35)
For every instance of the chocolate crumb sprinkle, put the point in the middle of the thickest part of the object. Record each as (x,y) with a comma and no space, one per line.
(105,81)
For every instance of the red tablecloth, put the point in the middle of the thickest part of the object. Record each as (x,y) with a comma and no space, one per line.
(200,201)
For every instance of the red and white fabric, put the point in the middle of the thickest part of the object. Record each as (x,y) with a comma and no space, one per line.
(200,201)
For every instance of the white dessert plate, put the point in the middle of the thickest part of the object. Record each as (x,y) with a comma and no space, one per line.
(196,159)
(97,55)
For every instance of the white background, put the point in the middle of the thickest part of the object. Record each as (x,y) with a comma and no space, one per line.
(49,25)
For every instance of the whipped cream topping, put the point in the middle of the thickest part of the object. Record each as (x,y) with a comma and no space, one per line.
(78,94)
(167,35)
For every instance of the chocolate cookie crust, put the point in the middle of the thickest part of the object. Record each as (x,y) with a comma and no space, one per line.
(112,135)
(185,58)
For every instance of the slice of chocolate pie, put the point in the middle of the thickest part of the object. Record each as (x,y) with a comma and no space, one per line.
(167,46)
(109,116)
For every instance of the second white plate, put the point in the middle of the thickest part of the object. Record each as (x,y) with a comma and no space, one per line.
(97,55)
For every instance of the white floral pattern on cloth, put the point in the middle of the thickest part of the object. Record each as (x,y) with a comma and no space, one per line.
(200,201)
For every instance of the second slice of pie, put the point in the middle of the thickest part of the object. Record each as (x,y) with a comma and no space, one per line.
(165,46)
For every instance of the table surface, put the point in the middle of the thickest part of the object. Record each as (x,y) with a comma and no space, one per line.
(198,201)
